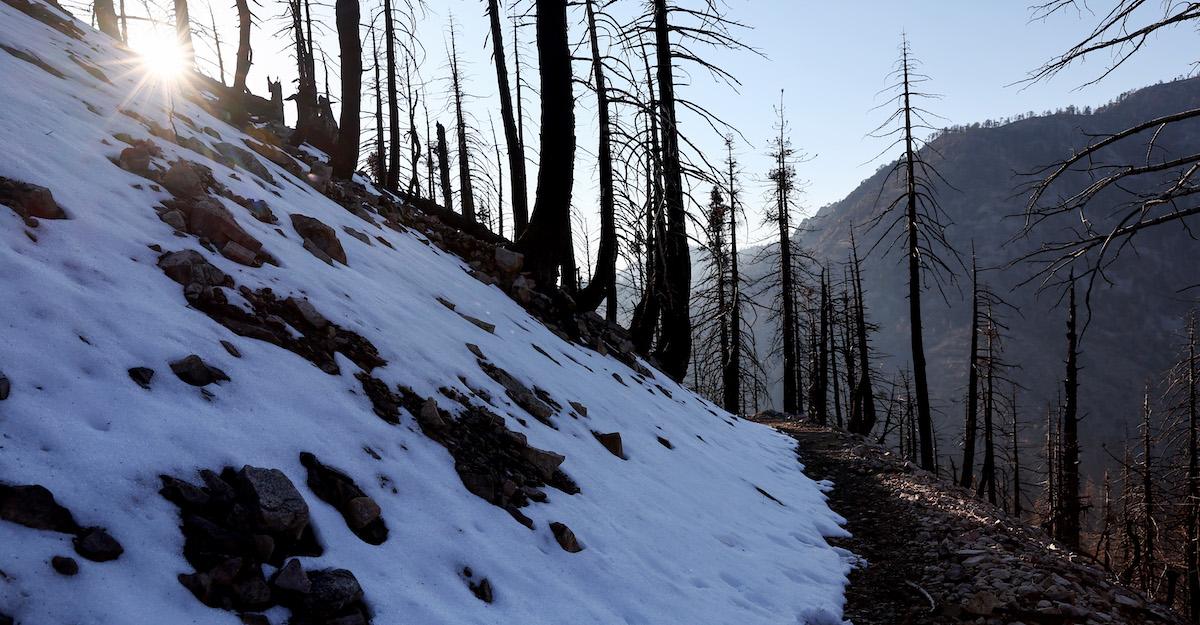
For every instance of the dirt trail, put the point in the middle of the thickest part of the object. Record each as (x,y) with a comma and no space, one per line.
(938,555)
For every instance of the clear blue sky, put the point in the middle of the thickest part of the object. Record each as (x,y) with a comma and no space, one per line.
(831,58)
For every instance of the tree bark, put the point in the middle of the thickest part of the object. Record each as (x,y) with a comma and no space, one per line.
(605,277)
(732,374)
(392,182)
(443,154)
(1067,528)
(546,243)
(675,348)
(972,417)
(106,18)
(183,31)
(516,151)
(345,160)
(466,193)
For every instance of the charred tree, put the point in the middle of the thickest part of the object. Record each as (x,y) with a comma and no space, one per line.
(516,151)
(443,154)
(392,180)
(732,372)
(546,243)
(970,428)
(862,402)
(1067,528)
(345,158)
(106,18)
(466,192)
(603,282)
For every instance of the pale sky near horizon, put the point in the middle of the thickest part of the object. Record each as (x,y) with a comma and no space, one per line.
(830,58)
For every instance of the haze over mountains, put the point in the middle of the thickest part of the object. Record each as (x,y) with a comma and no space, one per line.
(1136,319)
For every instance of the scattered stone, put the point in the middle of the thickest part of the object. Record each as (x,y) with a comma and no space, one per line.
(196,372)
(319,237)
(279,507)
(5,387)
(490,328)
(291,578)
(519,393)
(231,348)
(64,565)
(29,200)
(34,506)
(137,157)
(611,442)
(184,179)
(142,376)
(665,443)
(332,591)
(481,590)
(508,261)
(565,537)
(362,514)
(95,544)
(358,234)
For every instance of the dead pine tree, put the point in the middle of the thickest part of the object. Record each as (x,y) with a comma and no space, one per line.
(512,138)
(183,32)
(732,372)
(466,192)
(970,428)
(345,157)
(862,400)
(443,158)
(1067,527)
(916,221)
(603,283)
(392,170)
(1191,370)
(546,243)
(783,190)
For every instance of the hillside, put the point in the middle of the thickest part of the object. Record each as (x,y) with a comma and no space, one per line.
(1133,332)
(224,396)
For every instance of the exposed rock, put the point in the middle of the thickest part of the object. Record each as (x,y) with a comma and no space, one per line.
(429,417)
(332,592)
(358,234)
(611,442)
(5,387)
(242,158)
(184,179)
(193,271)
(508,261)
(64,565)
(519,393)
(193,370)
(142,376)
(565,537)
(385,403)
(95,544)
(982,603)
(490,328)
(482,590)
(319,237)
(319,175)
(665,443)
(278,506)
(137,157)
(29,200)
(34,506)
(291,578)
(363,516)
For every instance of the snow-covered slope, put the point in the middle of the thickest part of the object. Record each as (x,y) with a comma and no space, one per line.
(670,535)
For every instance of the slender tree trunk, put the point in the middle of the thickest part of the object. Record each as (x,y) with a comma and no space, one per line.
(443,154)
(787,283)
(987,474)
(1018,506)
(924,415)
(675,350)
(1148,523)
(212,18)
(732,373)
(345,159)
(969,430)
(516,154)
(834,377)
(605,277)
(183,31)
(414,139)
(393,156)
(1193,479)
(864,393)
(546,243)
(380,144)
(242,69)
(466,193)
(1068,529)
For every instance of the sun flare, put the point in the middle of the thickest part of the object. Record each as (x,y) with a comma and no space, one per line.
(162,55)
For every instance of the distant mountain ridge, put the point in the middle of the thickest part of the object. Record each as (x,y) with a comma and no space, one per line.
(1133,331)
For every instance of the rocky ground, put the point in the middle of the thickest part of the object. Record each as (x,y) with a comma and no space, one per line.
(935,554)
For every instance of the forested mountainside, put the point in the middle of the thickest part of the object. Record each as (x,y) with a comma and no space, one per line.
(235,390)
(1133,331)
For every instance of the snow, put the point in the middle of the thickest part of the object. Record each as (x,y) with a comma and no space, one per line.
(670,536)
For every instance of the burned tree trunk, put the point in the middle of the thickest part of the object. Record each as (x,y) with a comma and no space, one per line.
(443,154)
(345,158)
(675,349)
(605,278)
(1067,528)
(972,420)
(393,156)
(546,243)
(183,32)
(862,412)
(466,193)
(516,151)
(732,373)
